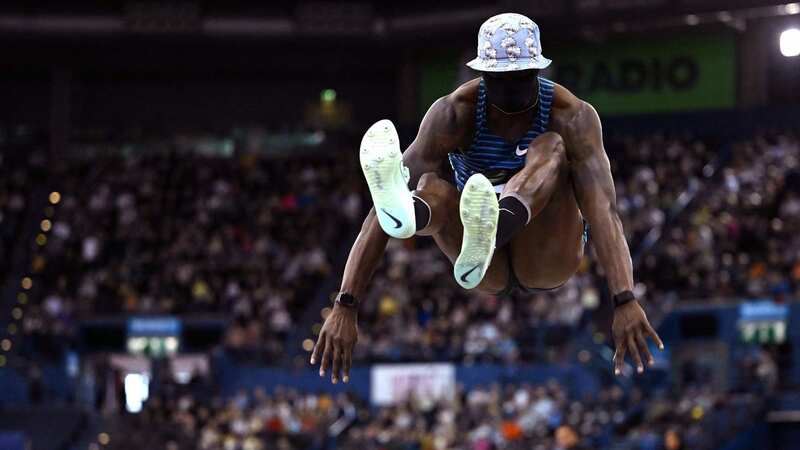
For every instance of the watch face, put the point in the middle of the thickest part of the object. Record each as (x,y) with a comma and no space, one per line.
(347,300)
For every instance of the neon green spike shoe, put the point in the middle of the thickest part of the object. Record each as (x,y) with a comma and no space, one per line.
(387,178)
(479,211)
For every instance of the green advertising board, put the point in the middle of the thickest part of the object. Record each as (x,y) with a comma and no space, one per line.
(631,76)
(638,76)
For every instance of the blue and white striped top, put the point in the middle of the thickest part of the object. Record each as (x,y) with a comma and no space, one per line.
(492,155)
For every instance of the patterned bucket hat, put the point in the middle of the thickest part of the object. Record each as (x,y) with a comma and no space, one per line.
(508,42)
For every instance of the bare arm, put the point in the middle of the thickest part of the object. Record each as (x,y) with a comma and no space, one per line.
(437,136)
(597,198)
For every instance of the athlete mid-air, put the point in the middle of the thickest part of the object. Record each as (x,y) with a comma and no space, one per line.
(508,133)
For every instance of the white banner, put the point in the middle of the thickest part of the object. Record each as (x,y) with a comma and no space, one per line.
(393,383)
(186,366)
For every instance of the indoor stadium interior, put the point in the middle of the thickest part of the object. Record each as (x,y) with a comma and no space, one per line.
(180,189)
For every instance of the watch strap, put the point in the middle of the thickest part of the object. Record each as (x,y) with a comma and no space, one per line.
(623,298)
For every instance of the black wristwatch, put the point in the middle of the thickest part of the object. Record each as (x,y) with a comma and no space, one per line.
(346,300)
(623,298)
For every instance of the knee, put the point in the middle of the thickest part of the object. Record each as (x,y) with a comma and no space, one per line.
(555,143)
(427,180)
(551,146)
(432,183)
(434,189)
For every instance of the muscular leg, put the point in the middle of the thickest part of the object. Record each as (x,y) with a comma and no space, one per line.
(547,251)
(536,182)
(446,229)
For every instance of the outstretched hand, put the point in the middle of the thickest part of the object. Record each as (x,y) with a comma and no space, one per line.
(631,329)
(335,344)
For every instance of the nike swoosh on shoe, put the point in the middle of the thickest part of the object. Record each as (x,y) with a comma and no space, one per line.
(466,274)
(397,223)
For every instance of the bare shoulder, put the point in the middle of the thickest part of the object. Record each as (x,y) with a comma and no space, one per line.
(450,118)
(457,109)
(465,96)
(578,123)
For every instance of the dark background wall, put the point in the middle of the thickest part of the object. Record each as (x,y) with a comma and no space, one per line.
(136,64)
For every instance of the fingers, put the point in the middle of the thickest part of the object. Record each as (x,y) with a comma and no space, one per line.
(347,358)
(337,363)
(318,348)
(337,357)
(635,353)
(652,333)
(644,348)
(635,343)
(619,358)
(326,355)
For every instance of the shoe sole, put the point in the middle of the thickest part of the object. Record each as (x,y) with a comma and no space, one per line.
(387,178)
(479,211)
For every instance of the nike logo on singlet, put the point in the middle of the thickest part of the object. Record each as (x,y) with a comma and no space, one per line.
(466,274)
(397,223)
(522,150)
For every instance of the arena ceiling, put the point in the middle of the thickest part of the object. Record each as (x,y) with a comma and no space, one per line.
(359,19)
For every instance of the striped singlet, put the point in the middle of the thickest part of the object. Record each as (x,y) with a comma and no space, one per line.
(492,155)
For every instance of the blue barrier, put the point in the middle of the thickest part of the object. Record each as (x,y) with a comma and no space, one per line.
(15,388)
(234,378)
(13,440)
(55,382)
(727,317)
(755,437)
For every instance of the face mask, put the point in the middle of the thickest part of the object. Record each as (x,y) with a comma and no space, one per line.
(512,91)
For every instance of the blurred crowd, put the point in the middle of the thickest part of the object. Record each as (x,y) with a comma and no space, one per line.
(181,232)
(181,418)
(739,240)
(184,234)
(548,417)
(497,417)
(652,172)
